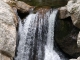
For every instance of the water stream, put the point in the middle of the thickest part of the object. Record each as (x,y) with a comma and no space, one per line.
(36,37)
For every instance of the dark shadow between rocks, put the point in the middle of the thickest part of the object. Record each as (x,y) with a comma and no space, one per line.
(21,14)
(66,37)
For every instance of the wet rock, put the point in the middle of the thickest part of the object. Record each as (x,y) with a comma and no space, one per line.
(7,31)
(66,37)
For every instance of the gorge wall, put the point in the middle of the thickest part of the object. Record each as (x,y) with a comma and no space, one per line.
(7,31)
(66,30)
(72,9)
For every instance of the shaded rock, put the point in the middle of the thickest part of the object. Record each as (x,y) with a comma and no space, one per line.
(66,37)
(3,57)
(63,13)
(7,30)
(73,7)
(75,59)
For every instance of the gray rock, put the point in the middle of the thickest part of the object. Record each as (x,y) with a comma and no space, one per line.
(73,7)
(7,30)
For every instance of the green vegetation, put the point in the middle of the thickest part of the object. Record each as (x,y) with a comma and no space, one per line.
(51,3)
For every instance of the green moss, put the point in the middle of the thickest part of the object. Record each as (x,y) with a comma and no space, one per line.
(51,3)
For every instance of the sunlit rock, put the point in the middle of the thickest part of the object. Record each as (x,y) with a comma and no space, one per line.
(23,6)
(7,31)
(73,7)
(63,13)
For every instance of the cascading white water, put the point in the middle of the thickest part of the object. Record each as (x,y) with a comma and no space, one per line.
(50,53)
(36,36)
(24,45)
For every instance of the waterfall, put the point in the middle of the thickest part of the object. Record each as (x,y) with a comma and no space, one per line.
(50,53)
(36,37)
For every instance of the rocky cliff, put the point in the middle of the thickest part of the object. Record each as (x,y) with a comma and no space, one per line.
(7,32)
(66,32)
(72,9)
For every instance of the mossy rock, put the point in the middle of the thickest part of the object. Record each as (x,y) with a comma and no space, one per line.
(51,3)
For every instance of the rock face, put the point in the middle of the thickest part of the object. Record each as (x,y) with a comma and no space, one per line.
(7,32)
(66,37)
(23,6)
(3,57)
(63,12)
(73,7)
(75,59)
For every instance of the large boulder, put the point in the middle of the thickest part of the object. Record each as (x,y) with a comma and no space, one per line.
(66,37)
(20,5)
(23,7)
(73,7)
(75,59)
(7,31)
